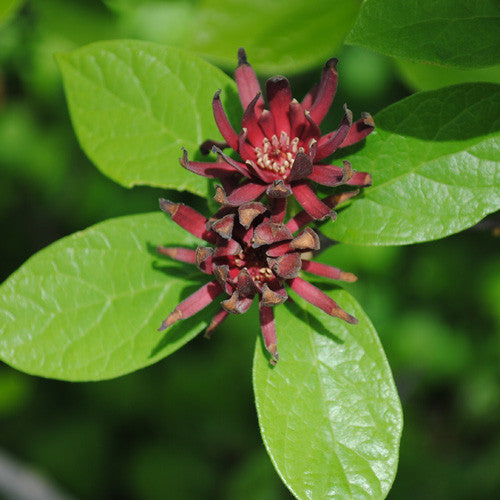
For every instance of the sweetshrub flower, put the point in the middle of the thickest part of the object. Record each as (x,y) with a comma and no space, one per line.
(280,147)
(251,255)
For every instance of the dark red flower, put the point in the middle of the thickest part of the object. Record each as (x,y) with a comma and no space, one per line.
(281,147)
(251,256)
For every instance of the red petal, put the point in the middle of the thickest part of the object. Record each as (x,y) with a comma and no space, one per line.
(278,209)
(189,219)
(266,123)
(302,167)
(329,143)
(271,298)
(236,304)
(317,298)
(194,303)
(206,169)
(268,232)
(269,331)
(278,189)
(303,218)
(359,130)
(178,253)
(297,119)
(224,226)
(238,167)
(326,91)
(246,285)
(326,271)
(249,211)
(222,122)
(310,202)
(251,123)
(248,191)
(279,96)
(215,323)
(287,266)
(246,79)
(310,97)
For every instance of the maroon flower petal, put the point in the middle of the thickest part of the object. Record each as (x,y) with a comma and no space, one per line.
(224,226)
(206,169)
(248,212)
(303,218)
(246,80)
(268,327)
(269,232)
(329,143)
(251,123)
(246,286)
(227,247)
(317,298)
(271,298)
(307,240)
(246,151)
(360,179)
(287,266)
(359,130)
(310,202)
(312,130)
(238,167)
(297,119)
(278,209)
(222,122)
(326,91)
(326,271)
(302,167)
(266,123)
(310,97)
(215,323)
(189,219)
(236,304)
(194,303)
(178,253)
(264,175)
(279,96)
(278,189)
(247,191)
(203,259)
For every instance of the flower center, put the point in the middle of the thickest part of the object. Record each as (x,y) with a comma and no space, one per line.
(256,263)
(277,155)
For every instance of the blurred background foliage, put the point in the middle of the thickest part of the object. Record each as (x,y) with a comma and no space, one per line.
(186,428)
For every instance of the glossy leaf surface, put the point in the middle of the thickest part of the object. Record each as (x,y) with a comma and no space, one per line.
(435,162)
(88,306)
(134,105)
(283,36)
(329,412)
(461,34)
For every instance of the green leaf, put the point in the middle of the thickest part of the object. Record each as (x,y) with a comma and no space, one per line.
(88,306)
(422,76)
(8,8)
(134,105)
(279,36)
(435,162)
(454,33)
(329,412)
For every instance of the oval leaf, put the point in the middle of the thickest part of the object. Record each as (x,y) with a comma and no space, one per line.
(134,105)
(435,162)
(458,34)
(88,306)
(329,412)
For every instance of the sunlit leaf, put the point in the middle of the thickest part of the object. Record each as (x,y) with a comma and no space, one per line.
(134,105)
(435,162)
(329,412)
(88,306)
(454,33)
